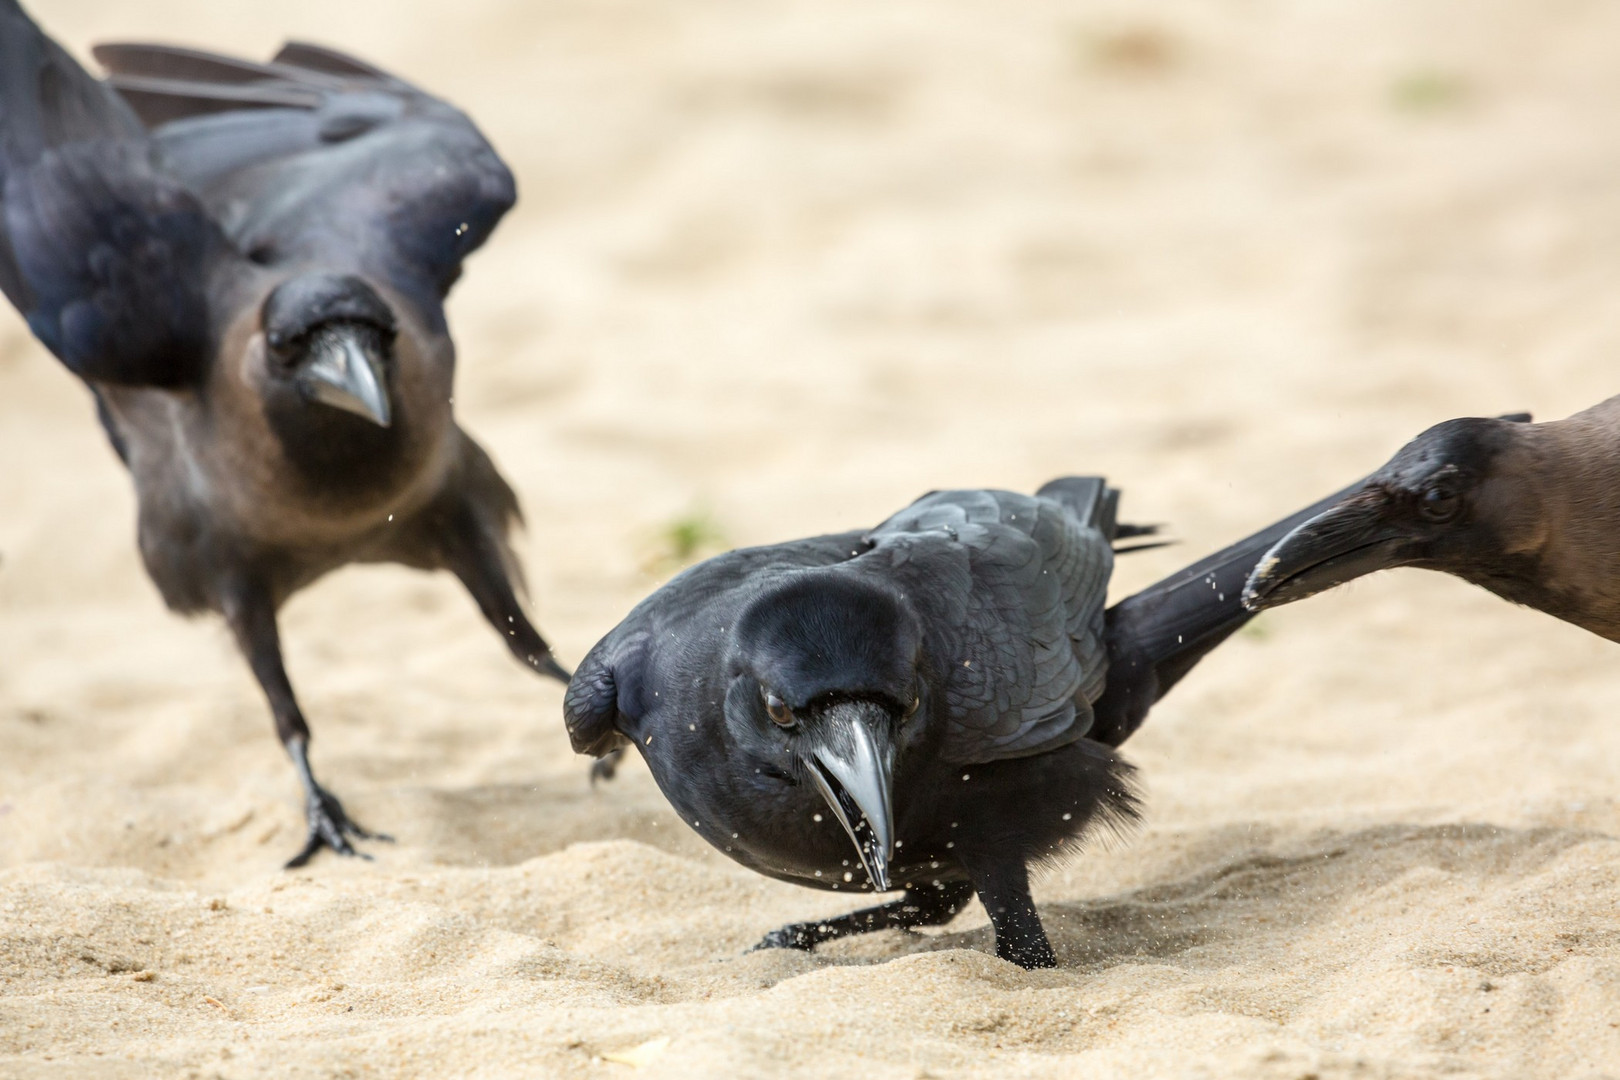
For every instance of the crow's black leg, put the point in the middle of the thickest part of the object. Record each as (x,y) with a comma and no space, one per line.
(329,824)
(480,561)
(252,619)
(1002,881)
(604,767)
(932,905)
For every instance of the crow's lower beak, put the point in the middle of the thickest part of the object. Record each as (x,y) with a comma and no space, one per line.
(1344,542)
(345,371)
(851,764)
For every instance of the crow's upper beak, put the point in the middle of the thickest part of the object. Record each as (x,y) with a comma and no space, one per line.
(345,371)
(1346,541)
(851,762)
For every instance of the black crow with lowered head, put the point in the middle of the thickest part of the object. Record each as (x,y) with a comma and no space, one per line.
(929,705)
(1529,511)
(246,264)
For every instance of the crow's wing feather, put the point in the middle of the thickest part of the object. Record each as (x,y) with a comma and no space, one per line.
(319,58)
(1011,589)
(183,66)
(100,249)
(687,616)
(318,157)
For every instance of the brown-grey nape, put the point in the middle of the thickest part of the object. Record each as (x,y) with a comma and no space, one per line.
(1524,510)
(135,207)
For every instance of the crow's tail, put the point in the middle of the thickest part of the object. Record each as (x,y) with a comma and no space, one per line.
(1159,634)
(1094,503)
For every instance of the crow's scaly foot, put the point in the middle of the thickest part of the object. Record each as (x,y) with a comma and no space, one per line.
(330,827)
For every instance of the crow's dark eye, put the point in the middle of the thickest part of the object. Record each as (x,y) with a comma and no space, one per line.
(780,714)
(1440,503)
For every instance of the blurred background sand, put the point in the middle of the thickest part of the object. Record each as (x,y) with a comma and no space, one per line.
(778,268)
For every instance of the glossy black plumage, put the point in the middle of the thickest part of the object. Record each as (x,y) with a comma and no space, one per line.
(246,264)
(950,679)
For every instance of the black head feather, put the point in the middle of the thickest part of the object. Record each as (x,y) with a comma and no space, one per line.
(299,305)
(822,633)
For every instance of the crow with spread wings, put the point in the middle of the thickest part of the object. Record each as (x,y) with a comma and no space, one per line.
(246,263)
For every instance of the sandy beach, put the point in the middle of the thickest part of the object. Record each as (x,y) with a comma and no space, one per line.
(777,268)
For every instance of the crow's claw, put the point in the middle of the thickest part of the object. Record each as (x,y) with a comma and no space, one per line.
(330,827)
(801,936)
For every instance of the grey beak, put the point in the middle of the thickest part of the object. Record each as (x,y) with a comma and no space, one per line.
(344,373)
(852,768)
(1347,541)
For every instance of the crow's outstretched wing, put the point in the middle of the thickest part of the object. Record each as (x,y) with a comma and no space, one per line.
(686,618)
(1011,590)
(316,157)
(102,250)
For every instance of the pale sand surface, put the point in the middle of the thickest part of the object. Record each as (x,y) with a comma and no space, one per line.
(794,264)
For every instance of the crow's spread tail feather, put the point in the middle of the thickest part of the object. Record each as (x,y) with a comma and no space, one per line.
(1088,498)
(1094,503)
